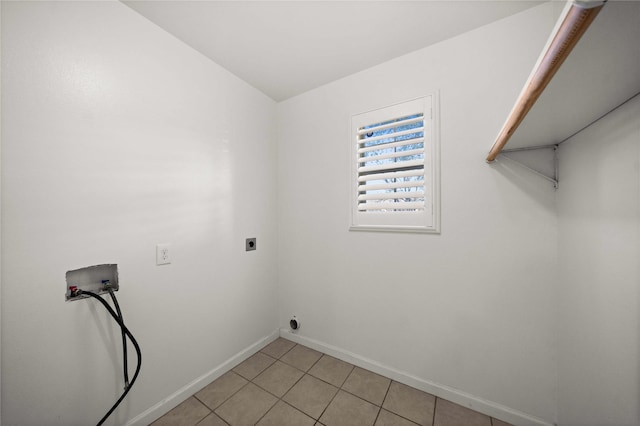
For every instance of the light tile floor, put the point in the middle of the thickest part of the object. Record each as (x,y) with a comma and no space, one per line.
(286,384)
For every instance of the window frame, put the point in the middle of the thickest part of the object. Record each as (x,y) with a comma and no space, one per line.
(427,221)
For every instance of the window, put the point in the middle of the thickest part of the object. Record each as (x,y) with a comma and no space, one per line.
(395,159)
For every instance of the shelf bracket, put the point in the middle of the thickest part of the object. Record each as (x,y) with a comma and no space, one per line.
(553,179)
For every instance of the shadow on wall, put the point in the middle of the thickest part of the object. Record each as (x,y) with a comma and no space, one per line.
(513,174)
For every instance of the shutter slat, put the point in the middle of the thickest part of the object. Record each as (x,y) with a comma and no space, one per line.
(391,166)
(401,122)
(391,206)
(392,185)
(391,175)
(392,195)
(404,142)
(395,154)
(362,141)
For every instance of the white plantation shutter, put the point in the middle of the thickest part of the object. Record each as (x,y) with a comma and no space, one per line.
(394,168)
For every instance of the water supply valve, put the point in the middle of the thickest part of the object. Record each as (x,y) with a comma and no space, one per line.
(97,279)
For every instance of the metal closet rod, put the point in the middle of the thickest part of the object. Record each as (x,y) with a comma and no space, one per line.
(574,25)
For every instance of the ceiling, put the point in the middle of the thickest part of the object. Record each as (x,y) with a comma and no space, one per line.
(284,48)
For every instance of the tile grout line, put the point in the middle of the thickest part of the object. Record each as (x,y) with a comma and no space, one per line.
(266,412)
(400,415)
(325,408)
(242,387)
(386,392)
(212,410)
(310,375)
(304,373)
(276,396)
(339,388)
(307,372)
(297,409)
(230,396)
(331,384)
(206,406)
(435,404)
(223,420)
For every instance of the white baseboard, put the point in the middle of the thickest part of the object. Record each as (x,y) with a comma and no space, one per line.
(483,406)
(164,406)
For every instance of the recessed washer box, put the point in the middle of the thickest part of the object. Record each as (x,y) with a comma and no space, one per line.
(95,278)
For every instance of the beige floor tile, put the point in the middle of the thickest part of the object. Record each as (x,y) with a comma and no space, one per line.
(212,420)
(410,403)
(331,370)
(278,378)
(349,410)
(247,406)
(450,414)
(301,357)
(254,365)
(221,389)
(278,347)
(282,414)
(314,398)
(188,413)
(367,385)
(387,418)
(311,396)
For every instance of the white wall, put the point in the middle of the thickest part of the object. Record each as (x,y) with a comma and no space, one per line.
(599,221)
(471,309)
(117,137)
(0,213)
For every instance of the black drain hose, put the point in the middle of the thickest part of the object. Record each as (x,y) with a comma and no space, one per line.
(125,331)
